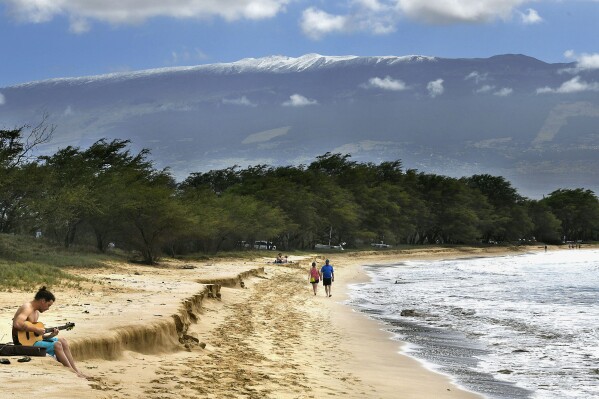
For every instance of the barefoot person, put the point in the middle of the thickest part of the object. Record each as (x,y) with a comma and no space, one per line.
(328,276)
(29,313)
(314,277)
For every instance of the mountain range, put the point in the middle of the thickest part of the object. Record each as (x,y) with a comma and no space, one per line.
(535,123)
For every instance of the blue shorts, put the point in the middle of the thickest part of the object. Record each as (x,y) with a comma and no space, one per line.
(48,344)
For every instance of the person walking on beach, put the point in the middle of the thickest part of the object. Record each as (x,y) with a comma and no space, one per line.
(314,276)
(328,276)
(24,320)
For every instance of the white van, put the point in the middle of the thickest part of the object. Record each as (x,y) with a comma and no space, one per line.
(264,245)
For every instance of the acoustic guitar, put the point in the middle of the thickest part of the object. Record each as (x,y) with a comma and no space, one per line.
(28,338)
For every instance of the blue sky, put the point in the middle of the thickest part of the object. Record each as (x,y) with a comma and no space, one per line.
(43,39)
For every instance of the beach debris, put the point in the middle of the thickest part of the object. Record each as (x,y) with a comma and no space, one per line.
(505,371)
(187,337)
(188,267)
(202,345)
(409,313)
(241,284)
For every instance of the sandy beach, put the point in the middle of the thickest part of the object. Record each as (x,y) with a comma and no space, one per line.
(225,329)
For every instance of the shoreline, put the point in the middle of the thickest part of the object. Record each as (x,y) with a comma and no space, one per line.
(416,379)
(269,337)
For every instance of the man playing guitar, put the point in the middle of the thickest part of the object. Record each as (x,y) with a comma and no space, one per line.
(24,320)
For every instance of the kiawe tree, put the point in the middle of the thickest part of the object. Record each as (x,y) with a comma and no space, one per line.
(578,212)
(18,181)
(509,219)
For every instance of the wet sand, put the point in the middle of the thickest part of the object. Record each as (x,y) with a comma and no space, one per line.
(163,332)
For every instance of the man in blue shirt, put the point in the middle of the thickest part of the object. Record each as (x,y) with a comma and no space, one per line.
(328,276)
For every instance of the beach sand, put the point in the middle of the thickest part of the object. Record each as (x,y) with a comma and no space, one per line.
(225,329)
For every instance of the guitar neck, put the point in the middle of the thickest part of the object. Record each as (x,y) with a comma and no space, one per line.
(50,329)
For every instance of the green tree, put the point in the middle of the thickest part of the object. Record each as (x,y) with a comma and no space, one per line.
(577,210)
(17,181)
(152,214)
(546,225)
(509,219)
(455,210)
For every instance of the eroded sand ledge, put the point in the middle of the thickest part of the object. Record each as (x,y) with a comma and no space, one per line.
(139,328)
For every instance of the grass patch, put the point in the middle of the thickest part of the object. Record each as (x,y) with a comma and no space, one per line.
(28,263)
(23,249)
(30,276)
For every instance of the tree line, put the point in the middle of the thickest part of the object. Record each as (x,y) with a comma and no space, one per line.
(107,195)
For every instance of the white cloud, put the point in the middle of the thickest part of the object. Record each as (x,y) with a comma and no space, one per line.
(316,23)
(2,99)
(373,16)
(531,17)
(476,76)
(447,12)
(504,92)
(297,100)
(79,25)
(574,85)
(372,5)
(36,11)
(136,11)
(382,16)
(435,88)
(378,17)
(386,83)
(266,135)
(243,100)
(485,89)
(584,61)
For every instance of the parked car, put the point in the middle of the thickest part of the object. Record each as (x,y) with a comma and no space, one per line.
(328,247)
(380,245)
(264,245)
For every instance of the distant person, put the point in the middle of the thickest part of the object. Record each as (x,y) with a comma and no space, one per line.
(28,314)
(314,277)
(279,258)
(328,276)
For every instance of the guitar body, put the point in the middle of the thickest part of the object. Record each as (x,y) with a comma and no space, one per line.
(28,338)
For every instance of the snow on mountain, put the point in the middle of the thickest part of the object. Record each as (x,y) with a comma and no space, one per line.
(276,64)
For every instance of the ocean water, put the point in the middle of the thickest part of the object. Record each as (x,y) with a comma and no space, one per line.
(524,326)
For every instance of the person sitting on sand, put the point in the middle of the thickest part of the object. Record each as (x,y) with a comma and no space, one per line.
(314,277)
(328,276)
(28,314)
